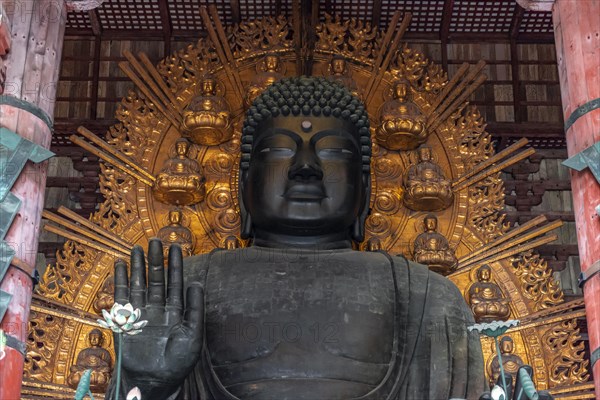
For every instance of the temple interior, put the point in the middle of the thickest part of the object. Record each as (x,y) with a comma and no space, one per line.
(119,58)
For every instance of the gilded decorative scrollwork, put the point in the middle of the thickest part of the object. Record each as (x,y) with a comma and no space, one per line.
(61,281)
(44,333)
(536,282)
(266,34)
(568,365)
(353,38)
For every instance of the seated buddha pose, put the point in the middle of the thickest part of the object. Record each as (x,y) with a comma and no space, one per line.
(175,233)
(401,124)
(180,182)
(338,71)
(95,358)
(425,186)
(207,119)
(486,298)
(269,72)
(511,362)
(432,249)
(298,314)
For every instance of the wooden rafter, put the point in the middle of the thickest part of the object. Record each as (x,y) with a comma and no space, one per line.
(445,31)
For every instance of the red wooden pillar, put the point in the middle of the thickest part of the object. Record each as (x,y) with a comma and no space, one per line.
(26,108)
(577,36)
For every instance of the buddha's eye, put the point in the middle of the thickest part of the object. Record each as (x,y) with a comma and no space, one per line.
(335,150)
(278,150)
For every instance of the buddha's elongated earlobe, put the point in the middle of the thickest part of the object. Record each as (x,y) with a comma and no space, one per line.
(358,228)
(246,228)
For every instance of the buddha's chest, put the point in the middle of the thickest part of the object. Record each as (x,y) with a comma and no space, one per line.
(341,305)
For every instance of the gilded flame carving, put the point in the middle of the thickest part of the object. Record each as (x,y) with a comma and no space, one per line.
(568,364)
(536,283)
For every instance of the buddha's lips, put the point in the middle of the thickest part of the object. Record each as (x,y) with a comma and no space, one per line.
(305,191)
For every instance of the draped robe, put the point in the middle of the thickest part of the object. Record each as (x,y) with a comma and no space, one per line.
(432,355)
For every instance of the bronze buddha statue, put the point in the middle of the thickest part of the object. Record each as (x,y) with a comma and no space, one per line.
(425,186)
(95,358)
(401,123)
(180,182)
(207,119)
(486,298)
(431,248)
(176,233)
(298,314)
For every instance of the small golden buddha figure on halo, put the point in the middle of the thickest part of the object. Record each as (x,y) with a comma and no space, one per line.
(180,181)
(207,119)
(176,233)
(432,249)
(425,186)
(401,124)
(95,358)
(105,299)
(510,361)
(339,72)
(485,298)
(269,71)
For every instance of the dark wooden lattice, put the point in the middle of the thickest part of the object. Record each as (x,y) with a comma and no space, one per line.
(536,22)
(426,15)
(79,21)
(482,16)
(130,15)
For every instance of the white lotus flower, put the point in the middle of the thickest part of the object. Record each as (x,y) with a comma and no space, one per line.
(134,394)
(123,319)
(498,393)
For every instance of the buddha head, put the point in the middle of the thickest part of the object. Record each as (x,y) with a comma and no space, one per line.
(208,86)
(271,63)
(338,66)
(430,223)
(304,170)
(182,146)
(175,217)
(424,154)
(506,345)
(401,91)
(484,273)
(95,338)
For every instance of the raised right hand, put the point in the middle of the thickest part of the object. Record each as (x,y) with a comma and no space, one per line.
(158,359)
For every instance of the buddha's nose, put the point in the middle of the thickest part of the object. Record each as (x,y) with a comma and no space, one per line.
(305,167)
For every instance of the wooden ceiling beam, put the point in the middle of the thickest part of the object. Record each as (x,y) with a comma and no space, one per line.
(376,14)
(445,31)
(95,22)
(516,22)
(236,12)
(167,24)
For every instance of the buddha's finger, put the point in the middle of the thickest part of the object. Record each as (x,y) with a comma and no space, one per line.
(156,274)
(175,281)
(121,282)
(137,292)
(194,307)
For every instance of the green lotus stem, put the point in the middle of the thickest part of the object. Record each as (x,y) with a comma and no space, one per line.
(119,356)
(499,361)
(527,385)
